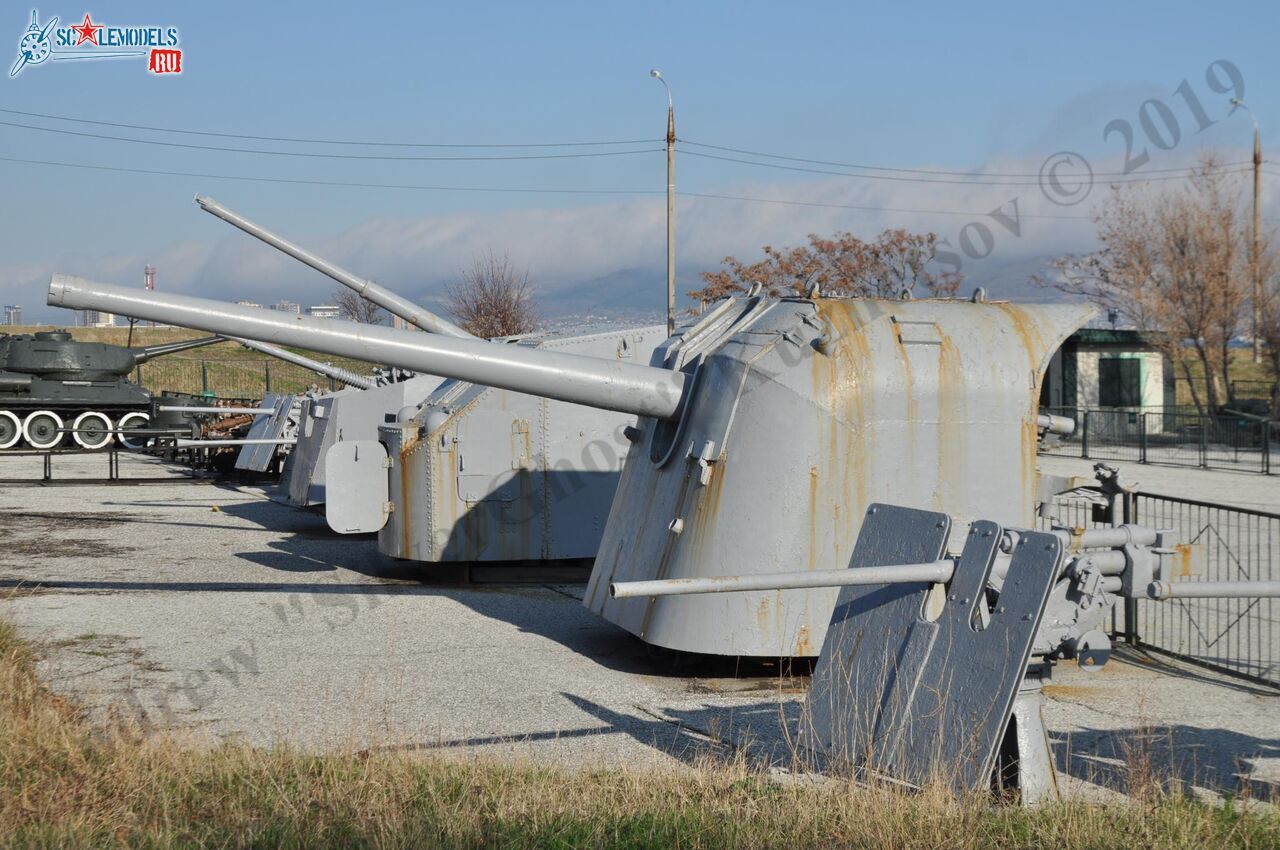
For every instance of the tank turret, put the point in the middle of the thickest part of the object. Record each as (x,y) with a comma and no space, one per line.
(766,431)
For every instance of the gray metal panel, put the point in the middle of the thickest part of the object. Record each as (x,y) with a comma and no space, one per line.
(344,415)
(851,698)
(281,423)
(358,498)
(935,702)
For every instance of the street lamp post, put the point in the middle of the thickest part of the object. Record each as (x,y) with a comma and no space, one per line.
(1255,260)
(671,205)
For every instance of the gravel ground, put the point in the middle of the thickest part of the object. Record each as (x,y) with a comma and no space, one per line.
(210,608)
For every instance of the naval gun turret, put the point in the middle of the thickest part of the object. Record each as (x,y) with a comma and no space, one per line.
(51,384)
(764,433)
(534,482)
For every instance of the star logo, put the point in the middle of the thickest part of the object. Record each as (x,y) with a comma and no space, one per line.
(87,31)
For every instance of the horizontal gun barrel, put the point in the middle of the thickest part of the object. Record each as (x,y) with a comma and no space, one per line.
(604,384)
(1212,589)
(932,571)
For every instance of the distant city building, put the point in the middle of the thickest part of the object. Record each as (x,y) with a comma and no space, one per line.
(287,307)
(13,314)
(401,325)
(97,319)
(323,311)
(243,303)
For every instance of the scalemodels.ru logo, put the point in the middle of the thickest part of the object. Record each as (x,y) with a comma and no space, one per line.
(89,40)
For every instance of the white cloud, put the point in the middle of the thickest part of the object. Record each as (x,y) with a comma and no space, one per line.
(567,247)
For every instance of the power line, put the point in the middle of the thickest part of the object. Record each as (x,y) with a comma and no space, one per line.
(1062,182)
(338,183)
(920,170)
(324,155)
(303,141)
(965,213)
(518,190)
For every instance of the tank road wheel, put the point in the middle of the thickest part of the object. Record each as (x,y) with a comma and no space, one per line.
(10,430)
(133,420)
(91,430)
(43,429)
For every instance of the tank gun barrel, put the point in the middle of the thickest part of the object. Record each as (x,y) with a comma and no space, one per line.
(380,295)
(346,376)
(605,384)
(142,355)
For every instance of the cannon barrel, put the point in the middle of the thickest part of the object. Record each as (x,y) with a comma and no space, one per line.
(383,297)
(351,379)
(142,355)
(605,384)
(931,571)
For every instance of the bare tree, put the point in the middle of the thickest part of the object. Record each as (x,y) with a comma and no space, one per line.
(1173,264)
(493,299)
(356,308)
(842,264)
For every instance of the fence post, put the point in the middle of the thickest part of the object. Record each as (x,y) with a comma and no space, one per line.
(1204,441)
(1266,447)
(1129,502)
(266,375)
(333,384)
(137,374)
(1142,437)
(1084,436)
(204,377)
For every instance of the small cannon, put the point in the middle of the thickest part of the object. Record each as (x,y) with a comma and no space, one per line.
(933,663)
(765,431)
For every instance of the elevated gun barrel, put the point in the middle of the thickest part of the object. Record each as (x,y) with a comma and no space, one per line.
(609,385)
(150,352)
(347,377)
(383,297)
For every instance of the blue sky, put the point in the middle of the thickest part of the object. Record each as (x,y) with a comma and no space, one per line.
(938,87)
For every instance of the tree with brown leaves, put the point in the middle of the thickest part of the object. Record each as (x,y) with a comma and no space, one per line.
(493,299)
(1173,263)
(356,308)
(895,262)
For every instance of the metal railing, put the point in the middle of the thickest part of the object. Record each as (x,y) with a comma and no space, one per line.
(229,378)
(1240,637)
(1179,436)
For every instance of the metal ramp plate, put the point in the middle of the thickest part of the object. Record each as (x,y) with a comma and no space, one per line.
(933,701)
(257,458)
(356,487)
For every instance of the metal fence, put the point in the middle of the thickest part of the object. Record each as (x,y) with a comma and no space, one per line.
(1178,436)
(1236,636)
(228,378)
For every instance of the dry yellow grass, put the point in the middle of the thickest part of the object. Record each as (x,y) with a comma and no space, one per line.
(64,782)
